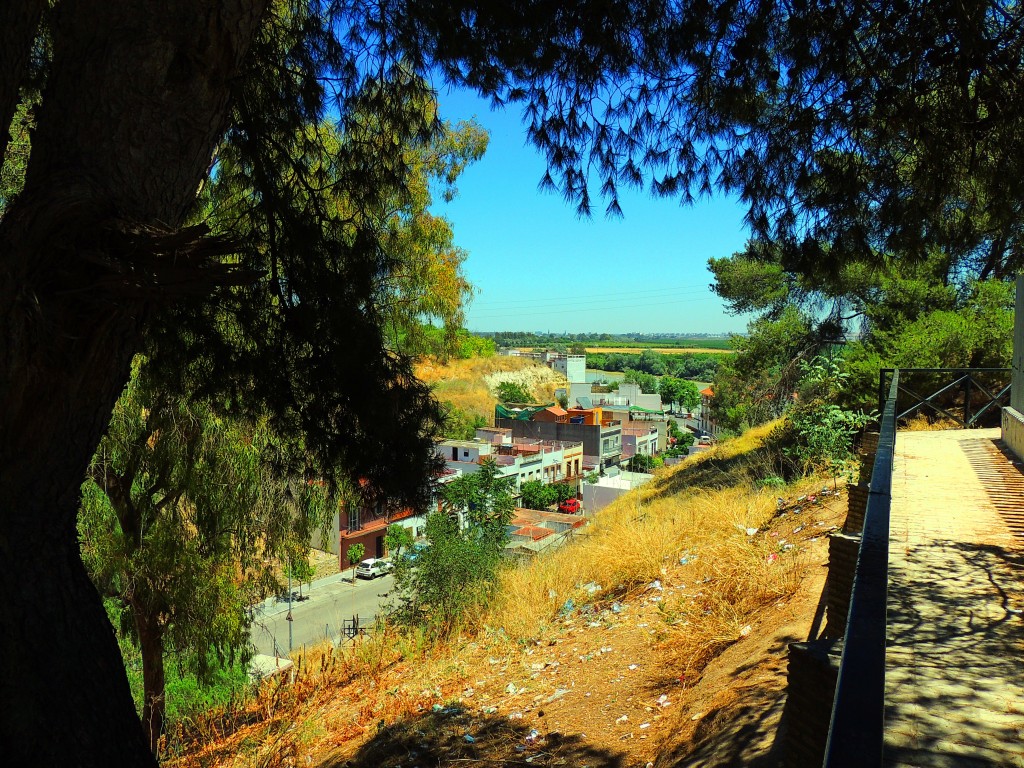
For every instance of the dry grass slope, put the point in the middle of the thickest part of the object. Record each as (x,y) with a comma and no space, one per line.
(695,570)
(469,384)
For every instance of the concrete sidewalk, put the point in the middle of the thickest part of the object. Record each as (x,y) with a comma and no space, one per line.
(272,606)
(955,649)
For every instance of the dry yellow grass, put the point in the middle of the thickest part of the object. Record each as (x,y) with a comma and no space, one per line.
(922,422)
(463,382)
(645,535)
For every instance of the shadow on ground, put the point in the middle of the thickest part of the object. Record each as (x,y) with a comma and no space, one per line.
(1002,475)
(954,674)
(454,736)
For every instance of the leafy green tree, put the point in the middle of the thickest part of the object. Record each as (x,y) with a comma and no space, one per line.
(460,425)
(457,570)
(563,492)
(538,495)
(823,431)
(514,392)
(682,438)
(652,362)
(297,567)
(758,383)
(648,382)
(641,462)
(397,538)
(470,345)
(182,520)
(921,314)
(679,391)
(355,557)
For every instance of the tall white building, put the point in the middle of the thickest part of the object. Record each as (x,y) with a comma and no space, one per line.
(573,367)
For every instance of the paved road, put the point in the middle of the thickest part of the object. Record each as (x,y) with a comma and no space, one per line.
(331,600)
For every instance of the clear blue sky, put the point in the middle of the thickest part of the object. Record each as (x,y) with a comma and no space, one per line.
(538,267)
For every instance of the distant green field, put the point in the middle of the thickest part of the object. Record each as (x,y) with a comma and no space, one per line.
(664,345)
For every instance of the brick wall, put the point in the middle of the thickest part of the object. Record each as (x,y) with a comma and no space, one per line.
(810,688)
(866,454)
(857,504)
(842,564)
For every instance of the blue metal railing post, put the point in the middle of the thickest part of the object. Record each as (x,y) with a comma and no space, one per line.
(856,732)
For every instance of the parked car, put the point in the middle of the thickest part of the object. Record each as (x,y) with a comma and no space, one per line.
(413,553)
(372,568)
(570,507)
(704,440)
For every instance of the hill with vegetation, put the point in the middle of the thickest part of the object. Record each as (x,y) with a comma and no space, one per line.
(468,387)
(652,638)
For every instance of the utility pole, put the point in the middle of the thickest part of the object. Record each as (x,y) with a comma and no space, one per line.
(289,616)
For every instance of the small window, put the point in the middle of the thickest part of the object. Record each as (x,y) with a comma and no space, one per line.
(465,454)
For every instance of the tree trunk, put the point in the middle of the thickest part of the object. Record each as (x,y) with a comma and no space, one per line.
(151,644)
(136,98)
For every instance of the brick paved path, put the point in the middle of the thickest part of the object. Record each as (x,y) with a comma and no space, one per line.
(955,655)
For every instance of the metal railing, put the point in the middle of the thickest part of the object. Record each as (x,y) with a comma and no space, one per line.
(856,730)
(965,381)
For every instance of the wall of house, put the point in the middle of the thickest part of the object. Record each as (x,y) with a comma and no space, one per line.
(635,396)
(590,436)
(573,367)
(597,497)
(372,541)
(327,541)
(463,450)
(579,389)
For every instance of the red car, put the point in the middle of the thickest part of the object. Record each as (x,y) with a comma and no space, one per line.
(570,507)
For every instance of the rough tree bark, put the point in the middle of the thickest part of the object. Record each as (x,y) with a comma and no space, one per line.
(136,99)
(151,646)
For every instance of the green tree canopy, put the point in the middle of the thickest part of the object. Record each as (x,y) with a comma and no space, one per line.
(465,541)
(183,520)
(680,391)
(514,392)
(648,382)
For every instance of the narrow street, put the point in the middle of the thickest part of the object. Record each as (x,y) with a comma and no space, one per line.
(331,601)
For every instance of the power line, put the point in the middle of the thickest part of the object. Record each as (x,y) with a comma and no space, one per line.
(687,290)
(575,309)
(571,304)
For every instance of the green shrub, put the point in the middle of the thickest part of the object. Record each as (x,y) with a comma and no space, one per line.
(513,392)
(823,432)
(456,572)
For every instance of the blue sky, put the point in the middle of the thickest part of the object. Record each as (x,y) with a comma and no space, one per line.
(538,267)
